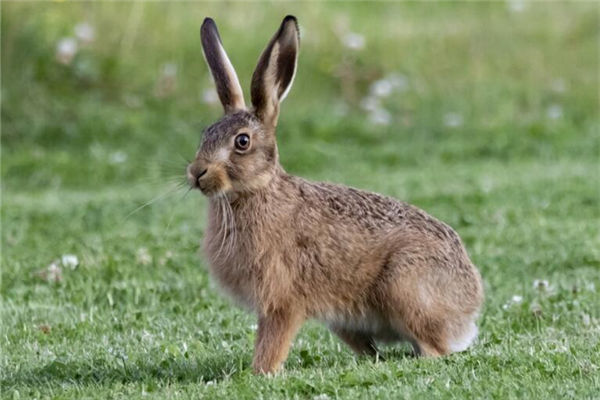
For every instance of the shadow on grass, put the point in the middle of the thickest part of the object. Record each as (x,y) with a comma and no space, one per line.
(105,371)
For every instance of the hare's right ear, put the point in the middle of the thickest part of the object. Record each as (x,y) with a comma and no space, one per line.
(226,80)
(274,73)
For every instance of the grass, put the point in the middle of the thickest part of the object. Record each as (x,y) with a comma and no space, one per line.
(496,134)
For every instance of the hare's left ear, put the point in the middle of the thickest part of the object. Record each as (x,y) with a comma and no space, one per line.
(274,73)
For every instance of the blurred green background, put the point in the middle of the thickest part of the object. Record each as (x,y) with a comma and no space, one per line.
(484,114)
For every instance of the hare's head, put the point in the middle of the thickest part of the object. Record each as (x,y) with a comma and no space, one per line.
(239,152)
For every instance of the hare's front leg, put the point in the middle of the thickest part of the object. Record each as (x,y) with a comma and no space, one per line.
(273,339)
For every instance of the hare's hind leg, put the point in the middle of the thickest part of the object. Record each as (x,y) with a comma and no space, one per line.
(361,343)
(417,309)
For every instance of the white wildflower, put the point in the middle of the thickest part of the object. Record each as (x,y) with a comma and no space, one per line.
(453,120)
(381,88)
(398,81)
(369,103)
(380,116)
(69,260)
(516,5)
(585,319)
(52,273)
(555,111)
(354,41)
(590,287)
(517,299)
(321,396)
(487,184)
(66,50)
(143,257)
(85,32)
(118,157)
(541,284)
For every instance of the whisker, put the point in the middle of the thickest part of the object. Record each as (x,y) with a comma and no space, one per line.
(186,192)
(152,201)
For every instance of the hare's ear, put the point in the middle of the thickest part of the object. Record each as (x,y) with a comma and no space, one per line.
(226,80)
(274,73)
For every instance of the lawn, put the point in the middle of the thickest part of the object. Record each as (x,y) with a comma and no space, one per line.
(484,114)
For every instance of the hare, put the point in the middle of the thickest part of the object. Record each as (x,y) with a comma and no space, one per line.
(372,268)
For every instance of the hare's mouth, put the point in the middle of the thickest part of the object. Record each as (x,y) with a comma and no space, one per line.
(212,187)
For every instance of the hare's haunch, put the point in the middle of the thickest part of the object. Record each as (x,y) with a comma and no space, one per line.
(373,268)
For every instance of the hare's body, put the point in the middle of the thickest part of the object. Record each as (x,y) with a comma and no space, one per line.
(363,263)
(372,268)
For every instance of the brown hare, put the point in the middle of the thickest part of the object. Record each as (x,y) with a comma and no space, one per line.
(371,267)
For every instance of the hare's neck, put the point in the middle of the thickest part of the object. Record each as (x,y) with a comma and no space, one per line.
(263,203)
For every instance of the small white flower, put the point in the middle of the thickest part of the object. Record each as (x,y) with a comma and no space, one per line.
(169,69)
(555,111)
(210,96)
(143,257)
(254,327)
(354,41)
(321,396)
(398,81)
(453,120)
(224,344)
(487,184)
(516,5)
(66,49)
(541,284)
(85,32)
(380,116)
(69,260)
(118,157)
(52,273)
(517,299)
(369,103)
(381,88)
(585,319)
(591,287)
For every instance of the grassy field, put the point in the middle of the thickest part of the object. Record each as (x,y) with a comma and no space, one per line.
(483,114)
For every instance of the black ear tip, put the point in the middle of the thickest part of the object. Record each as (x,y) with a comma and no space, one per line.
(290,18)
(208,23)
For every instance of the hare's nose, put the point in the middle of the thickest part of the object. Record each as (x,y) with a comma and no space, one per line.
(195,172)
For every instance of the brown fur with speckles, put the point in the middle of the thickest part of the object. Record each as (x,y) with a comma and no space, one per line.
(373,268)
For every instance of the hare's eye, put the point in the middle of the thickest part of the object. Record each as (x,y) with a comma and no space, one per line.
(242,141)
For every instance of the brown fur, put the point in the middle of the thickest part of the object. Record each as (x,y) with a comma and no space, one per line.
(371,267)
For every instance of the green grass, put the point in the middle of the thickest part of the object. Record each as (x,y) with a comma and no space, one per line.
(85,145)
